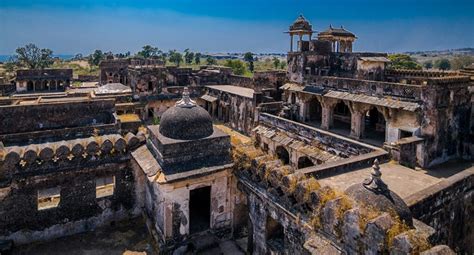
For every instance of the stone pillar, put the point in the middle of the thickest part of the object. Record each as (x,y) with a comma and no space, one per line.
(299,43)
(357,119)
(291,43)
(327,105)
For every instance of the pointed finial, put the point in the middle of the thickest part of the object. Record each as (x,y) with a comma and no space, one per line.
(186,100)
(330,26)
(375,181)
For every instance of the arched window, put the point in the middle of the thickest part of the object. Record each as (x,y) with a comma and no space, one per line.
(283,155)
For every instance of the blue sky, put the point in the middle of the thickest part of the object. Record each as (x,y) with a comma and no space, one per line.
(69,27)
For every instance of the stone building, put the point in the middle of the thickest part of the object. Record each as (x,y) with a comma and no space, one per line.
(355,95)
(318,160)
(43,80)
(63,168)
(232,104)
(186,170)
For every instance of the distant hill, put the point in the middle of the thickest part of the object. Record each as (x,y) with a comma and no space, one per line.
(461,51)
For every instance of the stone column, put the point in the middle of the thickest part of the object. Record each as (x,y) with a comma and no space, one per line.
(299,43)
(327,105)
(357,119)
(291,43)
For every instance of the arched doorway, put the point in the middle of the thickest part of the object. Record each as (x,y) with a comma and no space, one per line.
(304,162)
(314,111)
(29,86)
(374,125)
(342,118)
(283,155)
(38,86)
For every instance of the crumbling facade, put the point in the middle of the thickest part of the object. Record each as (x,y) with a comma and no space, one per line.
(63,173)
(43,80)
(298,166)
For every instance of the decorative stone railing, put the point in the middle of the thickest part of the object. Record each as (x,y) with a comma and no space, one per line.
(18,159)
(419,73)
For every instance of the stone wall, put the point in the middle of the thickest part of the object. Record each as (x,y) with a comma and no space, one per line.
(448,207)
(72,167)
(55,117)
(314,219)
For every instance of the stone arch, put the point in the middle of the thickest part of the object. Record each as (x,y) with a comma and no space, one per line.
(46,85)
(38,85)
(315,110)
(30,86)
(342,116)
(283,154)
(304,161)
(374,124)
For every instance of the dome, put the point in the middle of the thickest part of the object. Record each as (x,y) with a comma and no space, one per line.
(301,24)
(186,120)
(374,192)
(331,31)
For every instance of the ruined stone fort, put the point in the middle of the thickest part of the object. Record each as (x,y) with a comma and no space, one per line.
(337,155)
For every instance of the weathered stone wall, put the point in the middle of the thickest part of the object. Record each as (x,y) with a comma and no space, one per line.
(114,71)
(307,66)
(335,142)
(445,112)
(448,207)
(72,166)
(315,219)
(55,115)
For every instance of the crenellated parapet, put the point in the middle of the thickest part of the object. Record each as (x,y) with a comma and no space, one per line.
(52,156)
(320,213)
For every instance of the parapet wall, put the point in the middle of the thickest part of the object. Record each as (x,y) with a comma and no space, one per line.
(43,74)
(336,142)
(371,88)
(448,207)
(314,219)
(55,114)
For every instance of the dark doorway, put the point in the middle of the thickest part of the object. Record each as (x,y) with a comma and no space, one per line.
(405,134)
(283,155)
(30,86)
(275,234)
(314,112)
(374,125)
(199,209)
(342,118)
(304,162)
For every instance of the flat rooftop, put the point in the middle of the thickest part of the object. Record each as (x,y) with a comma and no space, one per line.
(401,180)
(236,90)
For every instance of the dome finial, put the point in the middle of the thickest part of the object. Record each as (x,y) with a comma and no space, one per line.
(186,100)
(375,182)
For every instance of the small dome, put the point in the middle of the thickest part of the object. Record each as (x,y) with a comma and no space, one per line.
(374,192)
(301,24)
(186,121)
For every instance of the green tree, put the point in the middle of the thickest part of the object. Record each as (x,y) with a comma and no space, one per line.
(276,63)
(403,61)
(175,57)
(210,61)
(148,51)
(197,58)
(11,64)
(96,57)
(428,64)
(248,57)
(443,64)
(237,66)
(31,56)
(188,56)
